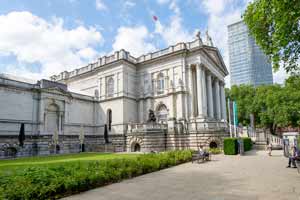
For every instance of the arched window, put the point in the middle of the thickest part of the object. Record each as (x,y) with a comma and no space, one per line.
(109,118)
(110,87)
(160,83)
(162,114)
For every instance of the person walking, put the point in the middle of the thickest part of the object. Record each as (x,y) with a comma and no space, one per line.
(292,157)
(269,149)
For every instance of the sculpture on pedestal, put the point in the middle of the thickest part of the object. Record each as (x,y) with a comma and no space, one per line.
(151,117)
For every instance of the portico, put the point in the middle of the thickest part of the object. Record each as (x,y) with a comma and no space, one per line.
(209,102)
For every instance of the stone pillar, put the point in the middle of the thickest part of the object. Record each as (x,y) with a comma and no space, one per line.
(199,76)
(190,93)
(210,97)
(204,93)
(141,111)
(223,102)
(60,123)
(217,99)
(148,104)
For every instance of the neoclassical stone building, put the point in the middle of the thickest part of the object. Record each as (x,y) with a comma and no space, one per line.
(107,103)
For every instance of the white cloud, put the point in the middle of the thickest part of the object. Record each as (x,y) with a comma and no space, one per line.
(134,40)
(32,39)
(174,32)
(280,76)
(162,1)
(221,13)
(129,4)
(100,5)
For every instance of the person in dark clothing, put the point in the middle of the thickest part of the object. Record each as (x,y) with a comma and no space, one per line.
(293,155)
(204,153)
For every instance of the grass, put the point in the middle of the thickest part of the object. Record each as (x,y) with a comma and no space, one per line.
(53,177)
(20,163)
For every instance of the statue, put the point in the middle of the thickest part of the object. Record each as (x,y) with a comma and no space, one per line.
(198,36)
(208,39)
(151,117)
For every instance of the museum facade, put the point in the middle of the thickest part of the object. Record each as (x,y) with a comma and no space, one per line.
(105,105)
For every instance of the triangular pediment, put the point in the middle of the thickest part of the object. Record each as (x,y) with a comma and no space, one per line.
(57,90)
(215,55)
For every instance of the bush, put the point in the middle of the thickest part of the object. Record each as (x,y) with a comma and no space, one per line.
(215,150)
(247,144)
(52,182)
(230,146)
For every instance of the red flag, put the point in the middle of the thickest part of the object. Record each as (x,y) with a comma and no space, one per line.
(155,18)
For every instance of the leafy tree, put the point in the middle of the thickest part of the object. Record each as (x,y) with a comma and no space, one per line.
(273,106)
(243,95)
(276,28)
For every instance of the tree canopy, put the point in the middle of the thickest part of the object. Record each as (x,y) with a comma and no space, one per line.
(275,25)
(272,105)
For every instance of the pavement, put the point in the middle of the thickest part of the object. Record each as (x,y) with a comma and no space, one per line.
(252,176)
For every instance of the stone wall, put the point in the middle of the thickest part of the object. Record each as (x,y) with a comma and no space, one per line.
(161,140)
(43,145)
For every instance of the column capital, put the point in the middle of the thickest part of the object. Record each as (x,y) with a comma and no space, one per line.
(222,83)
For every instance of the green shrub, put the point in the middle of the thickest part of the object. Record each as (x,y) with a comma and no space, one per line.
(215,150)
(230,146)
(247,143)
(52,182)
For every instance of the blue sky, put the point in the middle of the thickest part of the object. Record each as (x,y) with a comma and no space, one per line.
(42,38)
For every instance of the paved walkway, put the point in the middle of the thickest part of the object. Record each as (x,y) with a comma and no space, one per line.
(253,176)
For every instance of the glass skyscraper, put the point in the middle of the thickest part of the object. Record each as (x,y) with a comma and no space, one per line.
(248,63)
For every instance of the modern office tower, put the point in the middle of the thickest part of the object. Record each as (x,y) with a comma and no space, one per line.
(248,63)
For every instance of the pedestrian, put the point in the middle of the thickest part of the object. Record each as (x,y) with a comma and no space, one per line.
(292,156)
(269,149)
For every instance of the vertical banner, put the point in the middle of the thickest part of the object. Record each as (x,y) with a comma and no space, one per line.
(235,114)
(235,118)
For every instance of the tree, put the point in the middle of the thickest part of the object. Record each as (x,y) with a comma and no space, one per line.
(243,95)
(273,106)
(276,28)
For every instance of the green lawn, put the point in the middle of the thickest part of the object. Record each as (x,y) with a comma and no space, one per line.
(53,177)
(20,163)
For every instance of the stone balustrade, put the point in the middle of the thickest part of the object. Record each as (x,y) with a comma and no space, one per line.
(125,55)
(143,127)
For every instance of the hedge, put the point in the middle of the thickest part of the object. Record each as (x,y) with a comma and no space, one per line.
(52,182)
(247,143)
(230,146)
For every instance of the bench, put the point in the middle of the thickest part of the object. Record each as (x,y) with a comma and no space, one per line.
(197,157)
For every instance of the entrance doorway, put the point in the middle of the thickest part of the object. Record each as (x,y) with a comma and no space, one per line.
(136,147)
(213,145)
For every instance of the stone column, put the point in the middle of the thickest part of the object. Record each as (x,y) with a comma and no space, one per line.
(199,76)
(148,106)
(217,99)
(190,93)
(204,93)
(223,102)
(210,97)
(141,111)
(60,125)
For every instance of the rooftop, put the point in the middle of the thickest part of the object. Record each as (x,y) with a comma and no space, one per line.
(125,55)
